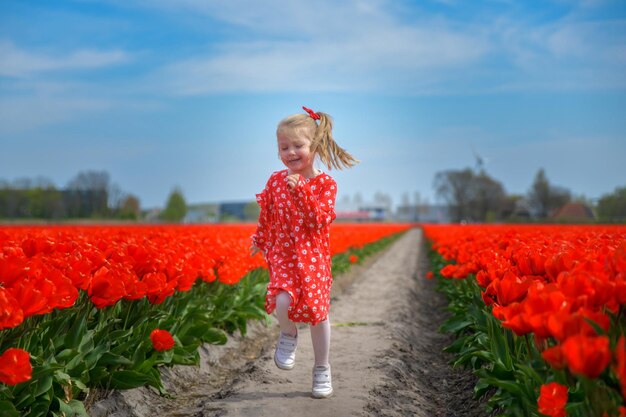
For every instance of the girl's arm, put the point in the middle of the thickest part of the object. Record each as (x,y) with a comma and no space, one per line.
(315,212)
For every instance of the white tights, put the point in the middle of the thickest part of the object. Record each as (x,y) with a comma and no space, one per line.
(320,333)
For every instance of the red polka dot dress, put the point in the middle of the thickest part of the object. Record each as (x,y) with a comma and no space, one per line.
(294,234)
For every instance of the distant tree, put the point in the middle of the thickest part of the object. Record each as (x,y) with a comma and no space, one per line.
(44,200)
(488,198)
(539,194)
(43,182)
(123,205)
(454,187)
(14,203)
(251,211)
(544,197)
(90,180)
(5,202)
(116,197)
(612,206)
(87,194)
(44,203)
(129,208)
(176,207)
(514,207)
(23,183)
(470,196)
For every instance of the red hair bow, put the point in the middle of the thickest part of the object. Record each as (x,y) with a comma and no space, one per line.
(313,115)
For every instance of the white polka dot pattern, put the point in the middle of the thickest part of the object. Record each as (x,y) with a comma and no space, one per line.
(293,233)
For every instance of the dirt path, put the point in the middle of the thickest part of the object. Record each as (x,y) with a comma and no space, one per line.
(385,355)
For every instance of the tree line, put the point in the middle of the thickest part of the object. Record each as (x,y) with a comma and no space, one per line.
(471,195)
(90,194)
(475,196)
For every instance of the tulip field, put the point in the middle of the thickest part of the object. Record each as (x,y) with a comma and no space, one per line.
(88,307)
(538,312)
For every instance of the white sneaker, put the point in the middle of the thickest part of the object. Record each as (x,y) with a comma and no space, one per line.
(285,354)
(322,386)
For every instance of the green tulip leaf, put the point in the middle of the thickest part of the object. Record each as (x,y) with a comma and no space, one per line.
(7,409)
(128,379)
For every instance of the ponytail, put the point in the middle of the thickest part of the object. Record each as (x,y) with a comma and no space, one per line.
(318,127)
(324,145)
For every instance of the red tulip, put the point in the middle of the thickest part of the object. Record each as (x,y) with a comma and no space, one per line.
(33,295)
(449,270)
(40,244)
(564,324)
(11,313)
(12,266)
(530,262)
(541,302)
(557,263)
(587,356)
(161,340)
(552,399)
(15,366)
(106,288)
(554,356)
(65,293)
(510,288)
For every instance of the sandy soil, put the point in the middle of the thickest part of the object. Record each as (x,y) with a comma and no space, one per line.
(385,355)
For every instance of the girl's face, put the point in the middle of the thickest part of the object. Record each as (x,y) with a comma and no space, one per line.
(295,152)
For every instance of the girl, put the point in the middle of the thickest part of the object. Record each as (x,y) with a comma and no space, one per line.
(297,207)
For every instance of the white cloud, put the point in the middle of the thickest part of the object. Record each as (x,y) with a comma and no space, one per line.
(292,17)
(18,62)
(376,46)
(355,65)
(589,40)
(572,53)
(354,45)
(354,48)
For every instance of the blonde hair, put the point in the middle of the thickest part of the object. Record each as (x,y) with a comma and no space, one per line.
(320,135)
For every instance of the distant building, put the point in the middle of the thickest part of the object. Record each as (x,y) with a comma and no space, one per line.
(521,209)
(362,212)
(151,215)
(202,213)
(575,211)
(423,213)
(353,215)
(221,212)
(233,211)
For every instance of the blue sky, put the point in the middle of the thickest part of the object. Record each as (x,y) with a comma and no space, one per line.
(163,93)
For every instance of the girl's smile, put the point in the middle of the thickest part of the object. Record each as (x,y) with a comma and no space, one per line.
(295,152)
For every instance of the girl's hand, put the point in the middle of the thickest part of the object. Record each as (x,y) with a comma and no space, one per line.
(292,180)
(254,250)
